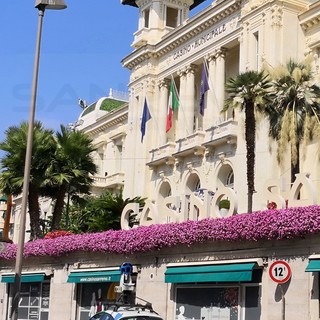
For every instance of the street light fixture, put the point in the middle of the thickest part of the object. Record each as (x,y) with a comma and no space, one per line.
(51,4)
(41,5)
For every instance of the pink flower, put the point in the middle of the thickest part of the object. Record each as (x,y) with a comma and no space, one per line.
(257,226)
(271,205)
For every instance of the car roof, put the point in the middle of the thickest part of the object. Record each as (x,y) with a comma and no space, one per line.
(124,313)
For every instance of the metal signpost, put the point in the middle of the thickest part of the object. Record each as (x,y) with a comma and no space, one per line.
(280,272)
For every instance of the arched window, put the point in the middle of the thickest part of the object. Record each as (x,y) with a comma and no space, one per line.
(225,177)
(165,190)
(230,179)
(193,183)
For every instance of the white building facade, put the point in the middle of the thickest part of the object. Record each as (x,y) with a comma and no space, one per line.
(185,171)
(208,151)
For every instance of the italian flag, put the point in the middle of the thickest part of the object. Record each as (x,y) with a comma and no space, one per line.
(173,105)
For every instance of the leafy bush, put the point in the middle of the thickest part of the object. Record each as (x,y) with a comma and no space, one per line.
(224,204)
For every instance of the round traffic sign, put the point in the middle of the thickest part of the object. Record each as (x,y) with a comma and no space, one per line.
(280,271)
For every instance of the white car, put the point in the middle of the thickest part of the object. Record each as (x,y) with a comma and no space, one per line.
(127,313)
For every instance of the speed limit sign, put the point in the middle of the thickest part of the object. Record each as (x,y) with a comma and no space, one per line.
(280,271)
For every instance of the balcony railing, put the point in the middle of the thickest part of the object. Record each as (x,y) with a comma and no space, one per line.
(162,154)
(110,181)
(197,143)
(225,132)
(190,144)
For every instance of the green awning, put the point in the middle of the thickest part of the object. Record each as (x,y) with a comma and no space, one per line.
(27,277)
(233,272)
(94,276)
(313,266)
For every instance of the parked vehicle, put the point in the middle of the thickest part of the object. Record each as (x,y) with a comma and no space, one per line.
(136,312)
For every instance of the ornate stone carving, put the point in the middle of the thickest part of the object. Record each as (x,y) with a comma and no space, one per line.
(191,69)
(150,85)
(164,83)
(234,22)
(221,52)
(276,16)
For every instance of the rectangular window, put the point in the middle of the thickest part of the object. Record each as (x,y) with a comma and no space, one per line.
(218,302)
(118,155)
(256,38)
(100,163)
(94,297)
(34,301)
(221,303)
(172,17)
(252,303)
(146,14)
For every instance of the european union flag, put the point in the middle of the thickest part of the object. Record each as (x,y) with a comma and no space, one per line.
(204,88)
(145,117)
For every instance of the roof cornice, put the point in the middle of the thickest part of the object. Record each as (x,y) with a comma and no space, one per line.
(134,4)
(311,17)
(109,120)
(199,23)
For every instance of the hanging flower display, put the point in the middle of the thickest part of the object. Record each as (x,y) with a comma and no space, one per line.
(263,225)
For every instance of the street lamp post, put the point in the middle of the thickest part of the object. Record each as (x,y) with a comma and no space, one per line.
(41,5)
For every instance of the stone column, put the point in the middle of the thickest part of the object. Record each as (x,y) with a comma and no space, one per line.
(181,120)
(211,113)
(189,103)
(164,85)
(220,77)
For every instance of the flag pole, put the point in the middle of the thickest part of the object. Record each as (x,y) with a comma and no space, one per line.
(178,96)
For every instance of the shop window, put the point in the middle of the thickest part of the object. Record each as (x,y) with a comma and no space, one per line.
(317,287)
(221,303)
(34,301)
(172,17)
(94,297)
(208,303)
(252,303)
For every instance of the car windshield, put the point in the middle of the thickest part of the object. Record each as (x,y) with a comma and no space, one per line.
(102,316)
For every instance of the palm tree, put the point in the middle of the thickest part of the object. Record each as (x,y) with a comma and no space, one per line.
(294,116)
(6,224)
(94,214)
(12,165)
(71,167)
(249,92)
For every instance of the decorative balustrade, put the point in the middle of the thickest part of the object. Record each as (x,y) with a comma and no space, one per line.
(225,132)
(190,144)
(109,181)
(162,154)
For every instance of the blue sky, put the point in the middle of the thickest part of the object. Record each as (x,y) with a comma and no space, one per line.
(81,51)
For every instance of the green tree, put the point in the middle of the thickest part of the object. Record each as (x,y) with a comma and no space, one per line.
(71,168)
(249,92)
(294,116)
(94,214)
(12,166)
